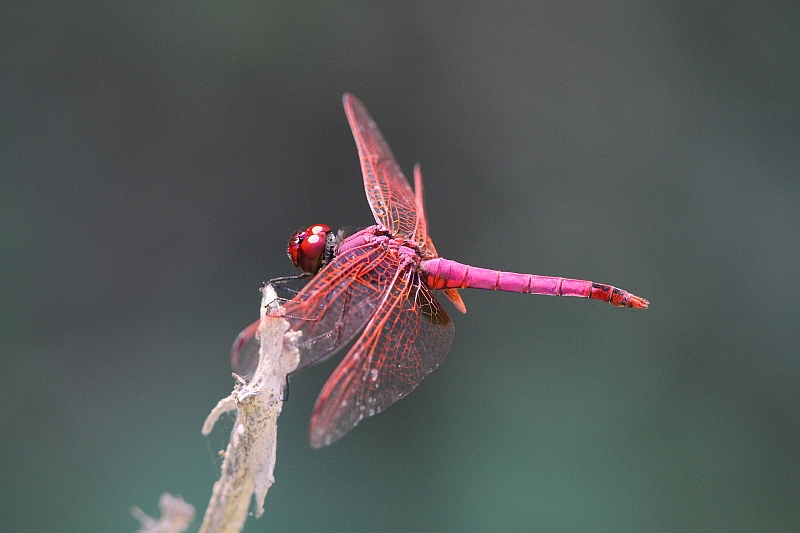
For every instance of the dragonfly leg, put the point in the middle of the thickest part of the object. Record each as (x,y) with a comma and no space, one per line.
(290,291)
(284,279)
(280,281)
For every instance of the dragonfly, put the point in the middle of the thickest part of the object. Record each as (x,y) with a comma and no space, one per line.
(374,288)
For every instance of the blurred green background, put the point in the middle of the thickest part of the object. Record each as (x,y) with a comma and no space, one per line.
(155,159)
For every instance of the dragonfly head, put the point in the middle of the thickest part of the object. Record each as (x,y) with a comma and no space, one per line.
(307,248)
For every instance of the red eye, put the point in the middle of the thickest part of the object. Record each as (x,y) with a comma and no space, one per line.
(306,248)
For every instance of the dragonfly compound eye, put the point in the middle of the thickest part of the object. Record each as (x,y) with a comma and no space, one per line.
(307,248)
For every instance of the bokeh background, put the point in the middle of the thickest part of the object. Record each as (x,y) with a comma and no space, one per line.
(155,159)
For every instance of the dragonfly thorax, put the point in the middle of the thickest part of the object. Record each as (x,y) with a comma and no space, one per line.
(377,236)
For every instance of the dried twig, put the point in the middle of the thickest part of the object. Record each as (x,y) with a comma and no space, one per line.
(249,459)
(176,515)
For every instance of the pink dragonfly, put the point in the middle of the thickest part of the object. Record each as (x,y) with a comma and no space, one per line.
(375,287)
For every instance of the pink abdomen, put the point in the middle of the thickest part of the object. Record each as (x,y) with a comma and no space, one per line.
(442,273)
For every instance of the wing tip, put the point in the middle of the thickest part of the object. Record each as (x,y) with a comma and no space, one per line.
(347,98)
(320,436)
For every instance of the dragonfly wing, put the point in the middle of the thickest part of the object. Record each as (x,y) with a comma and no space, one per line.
(336,304)
(421,231)
(389,195)
(455,299)
(244,353)
(330,310)
(404,341)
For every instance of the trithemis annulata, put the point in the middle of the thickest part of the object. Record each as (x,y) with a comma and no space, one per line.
(374,286)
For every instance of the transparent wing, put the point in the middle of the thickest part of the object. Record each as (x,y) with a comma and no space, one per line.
(389,195)
(336,304)
(404,341)
(424,241)
(244,353)
(330,310)
(421,231)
